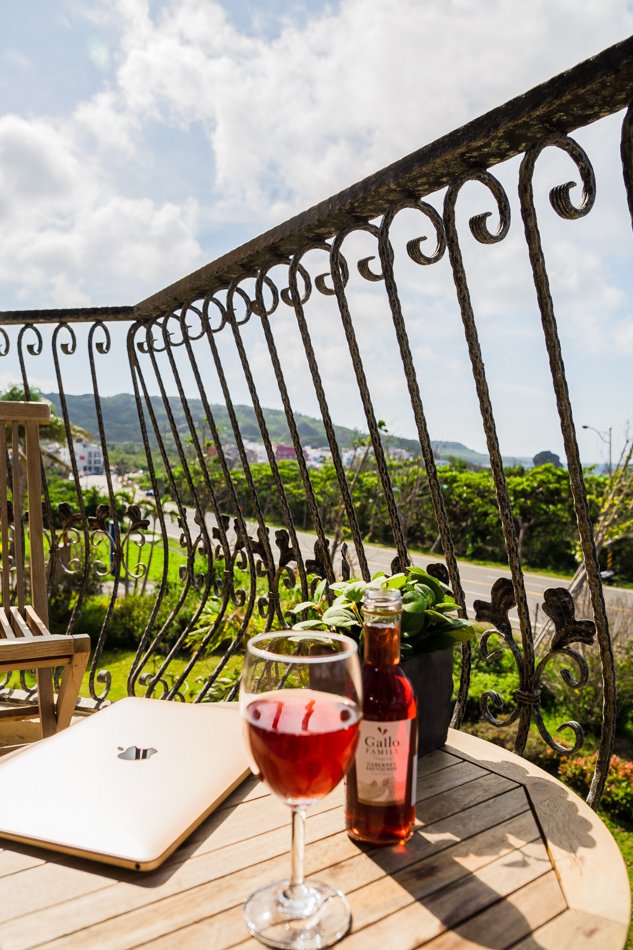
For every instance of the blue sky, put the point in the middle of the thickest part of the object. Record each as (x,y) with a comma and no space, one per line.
(139,140)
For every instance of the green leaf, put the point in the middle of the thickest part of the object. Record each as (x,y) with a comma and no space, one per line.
(420,575)
(341,586)
(415,605)
(305,605)
(434,618)
(319,590)
(421,596)
(355,591)
(397,582)
(455,627)
(310,625)
(339,617)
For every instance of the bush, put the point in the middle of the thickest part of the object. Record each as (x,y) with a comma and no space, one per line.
(617,798)
(130,617)
(585,704)
(499,675)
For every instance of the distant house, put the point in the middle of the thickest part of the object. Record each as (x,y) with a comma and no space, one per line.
(400,455)
(88,456)
(255,452)
(283,452)
(286,452)
(316,457)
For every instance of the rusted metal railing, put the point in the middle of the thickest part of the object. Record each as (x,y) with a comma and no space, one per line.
(248,317)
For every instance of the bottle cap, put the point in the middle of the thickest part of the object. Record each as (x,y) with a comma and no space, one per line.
(382,598)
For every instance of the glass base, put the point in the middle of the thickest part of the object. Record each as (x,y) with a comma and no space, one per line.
(315,917)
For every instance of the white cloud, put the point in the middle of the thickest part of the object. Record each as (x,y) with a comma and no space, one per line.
(111,127)
(328,102)
(68,232)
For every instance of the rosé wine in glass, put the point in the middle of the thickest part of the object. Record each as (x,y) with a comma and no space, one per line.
(301,702)
(303,741)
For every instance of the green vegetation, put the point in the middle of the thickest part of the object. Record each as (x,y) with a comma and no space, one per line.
(429,620)
(540,497)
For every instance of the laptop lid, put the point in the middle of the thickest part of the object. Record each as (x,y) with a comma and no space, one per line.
(126,785)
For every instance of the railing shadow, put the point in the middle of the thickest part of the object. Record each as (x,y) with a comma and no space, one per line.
(471,856)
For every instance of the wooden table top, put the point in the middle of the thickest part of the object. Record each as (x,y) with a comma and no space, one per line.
(503,855)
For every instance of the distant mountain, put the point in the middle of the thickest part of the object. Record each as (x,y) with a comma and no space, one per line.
(120,420)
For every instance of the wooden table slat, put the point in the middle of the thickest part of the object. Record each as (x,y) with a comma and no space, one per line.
(451,906)
(461,859)
(587,859)
(518,914)
(575,930)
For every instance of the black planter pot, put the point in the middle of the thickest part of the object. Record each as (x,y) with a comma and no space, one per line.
(432,677)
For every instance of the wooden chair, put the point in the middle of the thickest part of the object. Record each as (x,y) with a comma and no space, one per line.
(25,641)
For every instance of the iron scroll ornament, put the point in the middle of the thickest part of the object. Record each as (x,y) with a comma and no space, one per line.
(558,605)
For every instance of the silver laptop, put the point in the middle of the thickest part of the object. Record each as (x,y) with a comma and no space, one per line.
(127,784)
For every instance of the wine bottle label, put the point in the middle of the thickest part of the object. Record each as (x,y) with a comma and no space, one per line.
(382,756)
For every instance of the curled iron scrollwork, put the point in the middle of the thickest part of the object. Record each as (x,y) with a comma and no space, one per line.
(558,605)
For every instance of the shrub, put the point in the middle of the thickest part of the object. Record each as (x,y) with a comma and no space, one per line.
(585,704)
(617,798)
(130,617)
(499,674)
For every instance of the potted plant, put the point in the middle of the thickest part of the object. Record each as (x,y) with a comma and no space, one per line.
(430,629)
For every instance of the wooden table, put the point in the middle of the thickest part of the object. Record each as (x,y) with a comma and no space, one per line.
(504,855)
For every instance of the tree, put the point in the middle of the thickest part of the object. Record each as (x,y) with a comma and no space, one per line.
(55,430)
(615,518)
(540,498)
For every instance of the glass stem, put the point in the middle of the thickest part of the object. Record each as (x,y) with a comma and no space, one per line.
(297,887)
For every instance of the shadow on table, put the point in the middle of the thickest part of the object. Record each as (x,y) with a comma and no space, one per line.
(466,867)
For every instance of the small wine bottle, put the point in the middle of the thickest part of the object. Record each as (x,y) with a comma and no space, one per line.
(381,785)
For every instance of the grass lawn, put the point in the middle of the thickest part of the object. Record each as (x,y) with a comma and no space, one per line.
(119,665)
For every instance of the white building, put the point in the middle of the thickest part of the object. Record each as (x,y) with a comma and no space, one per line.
(88,455)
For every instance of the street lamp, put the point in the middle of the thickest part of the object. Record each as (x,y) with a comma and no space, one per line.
(605,437)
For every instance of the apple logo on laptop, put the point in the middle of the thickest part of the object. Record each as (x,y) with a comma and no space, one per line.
(133,753)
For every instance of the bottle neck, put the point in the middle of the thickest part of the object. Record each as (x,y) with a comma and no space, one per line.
(381,641)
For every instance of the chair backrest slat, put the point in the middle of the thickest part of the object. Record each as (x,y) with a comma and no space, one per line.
(25,486)
(6,631)
(39,597)
(4,519)
(18,500)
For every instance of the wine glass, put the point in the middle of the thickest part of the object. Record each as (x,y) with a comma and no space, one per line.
(301,702)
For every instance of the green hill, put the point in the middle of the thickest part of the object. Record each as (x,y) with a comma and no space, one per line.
(121,425)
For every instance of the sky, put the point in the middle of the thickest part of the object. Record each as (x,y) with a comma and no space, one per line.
(141,139)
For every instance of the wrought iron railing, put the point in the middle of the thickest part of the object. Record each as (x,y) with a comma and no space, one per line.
(290,306)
